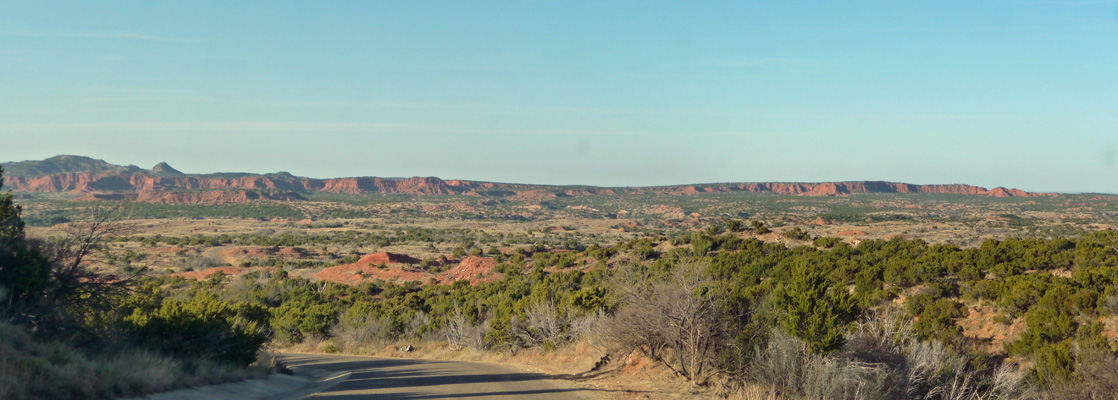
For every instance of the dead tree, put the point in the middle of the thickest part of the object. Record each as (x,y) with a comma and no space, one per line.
(674,321)
(77,285)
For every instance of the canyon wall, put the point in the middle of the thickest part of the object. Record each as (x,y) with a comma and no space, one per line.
(204,189)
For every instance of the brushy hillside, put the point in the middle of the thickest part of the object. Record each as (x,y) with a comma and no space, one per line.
(68,331)
(32,369)
(879,320)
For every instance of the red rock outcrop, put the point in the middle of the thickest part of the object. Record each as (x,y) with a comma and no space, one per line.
(195,197)
(141,186)
(588,192)
(842,189)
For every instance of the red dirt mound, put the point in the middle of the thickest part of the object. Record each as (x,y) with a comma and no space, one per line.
(387,258)
(469,269)
(367,269)
(352,274)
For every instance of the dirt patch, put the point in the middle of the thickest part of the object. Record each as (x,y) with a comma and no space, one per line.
(230,271)
(387,258)
(475,269)
(399,268)
(352,274)
(982,324)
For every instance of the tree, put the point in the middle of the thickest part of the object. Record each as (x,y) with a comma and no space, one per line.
(11,225)
(674,321)
(817,313)
(51,279)
(543,325)
(24,270)
(734,225)
(75,287)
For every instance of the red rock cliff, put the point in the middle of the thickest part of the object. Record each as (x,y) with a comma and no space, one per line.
(264,187)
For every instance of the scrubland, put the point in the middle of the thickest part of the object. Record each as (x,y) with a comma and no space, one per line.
(753,297)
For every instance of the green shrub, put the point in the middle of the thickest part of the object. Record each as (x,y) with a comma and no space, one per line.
(203,326)
(816,313)
(1052,364)
(1044,326)
(797,234)
(827,242)
(937,321)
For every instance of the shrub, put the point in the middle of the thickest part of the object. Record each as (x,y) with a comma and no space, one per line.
(787,363)
(816,312)
(1044,326)
(30,369)
(358,325)
(937,321)
(797,234)
(1096,377)
(827,242)
(460,333)
(204,326)
(1053,364)
(675,321)
(295,320)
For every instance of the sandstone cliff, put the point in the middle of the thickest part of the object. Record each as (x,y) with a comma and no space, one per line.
(164,184)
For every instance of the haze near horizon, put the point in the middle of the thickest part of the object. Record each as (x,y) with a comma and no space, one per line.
(996,93)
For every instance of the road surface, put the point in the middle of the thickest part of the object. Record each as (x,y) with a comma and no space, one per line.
(399,379)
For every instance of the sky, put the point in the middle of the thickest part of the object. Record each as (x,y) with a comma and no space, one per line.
(1019,94)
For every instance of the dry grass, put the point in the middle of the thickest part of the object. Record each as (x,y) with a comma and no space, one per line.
(33,370)
(757,392)
(882,359)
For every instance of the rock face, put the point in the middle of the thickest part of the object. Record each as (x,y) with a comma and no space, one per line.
(196,197)
(164,184)
(843,189)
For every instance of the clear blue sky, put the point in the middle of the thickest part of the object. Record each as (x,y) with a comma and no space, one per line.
(994,93)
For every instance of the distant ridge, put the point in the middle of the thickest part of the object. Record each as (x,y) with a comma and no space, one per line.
(60,164)
(163,169)
(102,180)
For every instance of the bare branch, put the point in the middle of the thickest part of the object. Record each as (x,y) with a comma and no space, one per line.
(77,282)
(672,321)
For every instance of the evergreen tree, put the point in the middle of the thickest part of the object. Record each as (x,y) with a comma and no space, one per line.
(817,313)
(24,270)
(11,225)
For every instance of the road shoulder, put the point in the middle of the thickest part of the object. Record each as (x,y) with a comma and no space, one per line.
(274,387)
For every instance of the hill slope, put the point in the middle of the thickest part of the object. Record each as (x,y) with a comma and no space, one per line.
(61,164)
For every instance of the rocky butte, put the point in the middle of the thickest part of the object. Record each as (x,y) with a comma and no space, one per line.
(162,183)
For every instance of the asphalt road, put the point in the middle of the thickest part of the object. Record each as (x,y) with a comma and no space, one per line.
(398,379)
